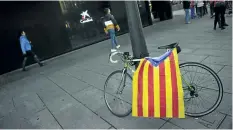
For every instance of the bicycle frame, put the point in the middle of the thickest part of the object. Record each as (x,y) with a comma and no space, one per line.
(127,66)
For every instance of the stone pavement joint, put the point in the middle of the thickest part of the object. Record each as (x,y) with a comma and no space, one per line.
(50,111)
(79,102)
(221,121)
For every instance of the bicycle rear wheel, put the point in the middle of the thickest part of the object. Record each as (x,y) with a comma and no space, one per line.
(117,95)
(205,89)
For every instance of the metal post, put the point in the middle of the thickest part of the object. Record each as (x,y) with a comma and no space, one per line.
(135,30)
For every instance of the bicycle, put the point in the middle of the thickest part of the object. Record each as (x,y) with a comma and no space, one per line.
(191,90)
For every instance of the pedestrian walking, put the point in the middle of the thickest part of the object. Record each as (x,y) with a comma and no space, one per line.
(229,7)
(205,10)
(219,8)
(192,8)
(110,24)
(26,48)
(224,3)
(211,8)
(186,6)
(200,5)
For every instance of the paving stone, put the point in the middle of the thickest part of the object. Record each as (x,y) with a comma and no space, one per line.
(218,60)
(212,120)
(188,123)
(224,42)
(6,106)
(14,121)
(168,125)
(105,70)
(227,84)
(92,98)
(27,104)
(44,120)
(68,83)
(112,128)
(94,79)
(6,103)
(193,41)
(20,86)
(74,71)
(60,103)
(208,45)
(225,72)
(227,123)
(215,68)
(227,47)
(38,84)
(211,52)
(191,58)
(80,117)
(130,122)
(226,104)
(50,91)
(71,114)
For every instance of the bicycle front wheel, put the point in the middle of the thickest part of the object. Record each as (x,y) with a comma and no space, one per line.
(203,90)
(117,93)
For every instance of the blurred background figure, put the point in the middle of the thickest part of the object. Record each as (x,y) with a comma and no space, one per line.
(200,5)
(219,9)
(211,8)
(192,7)
(186,6)
(205,10)
(229,7)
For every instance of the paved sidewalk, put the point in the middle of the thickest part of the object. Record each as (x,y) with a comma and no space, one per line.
(68,91)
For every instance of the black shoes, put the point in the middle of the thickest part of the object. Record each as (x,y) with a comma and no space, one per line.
(222,28)
(24,69)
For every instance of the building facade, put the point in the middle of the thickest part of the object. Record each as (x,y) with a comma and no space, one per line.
(57,27)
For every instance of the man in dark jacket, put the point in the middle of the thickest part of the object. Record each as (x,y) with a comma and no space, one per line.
(110,24)
(186,6)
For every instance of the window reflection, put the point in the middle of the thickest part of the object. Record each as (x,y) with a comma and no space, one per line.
(82,20)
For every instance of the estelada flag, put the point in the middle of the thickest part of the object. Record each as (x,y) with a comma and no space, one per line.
(157,88)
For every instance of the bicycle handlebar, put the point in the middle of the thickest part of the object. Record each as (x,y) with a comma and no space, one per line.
(134,60)
(113,54)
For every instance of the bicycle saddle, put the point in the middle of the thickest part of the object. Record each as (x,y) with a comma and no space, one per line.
(170,46)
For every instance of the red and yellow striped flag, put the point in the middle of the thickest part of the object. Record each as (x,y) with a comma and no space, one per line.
(157,88)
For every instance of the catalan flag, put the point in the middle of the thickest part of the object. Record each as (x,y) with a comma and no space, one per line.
(157,88)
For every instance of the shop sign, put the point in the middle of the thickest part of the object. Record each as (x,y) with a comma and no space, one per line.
(85,17)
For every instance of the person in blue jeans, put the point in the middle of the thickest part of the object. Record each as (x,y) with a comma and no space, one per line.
(110,24)
(26,48)
(112,35)
(192,8)
(186,6)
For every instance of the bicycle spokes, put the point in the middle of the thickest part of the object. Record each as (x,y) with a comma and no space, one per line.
(202,89)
